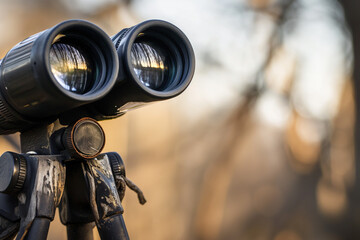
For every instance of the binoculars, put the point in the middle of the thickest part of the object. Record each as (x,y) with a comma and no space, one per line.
(74,70)
(74,73)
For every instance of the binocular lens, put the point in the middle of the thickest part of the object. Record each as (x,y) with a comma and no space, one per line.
(71,67)
(151,64)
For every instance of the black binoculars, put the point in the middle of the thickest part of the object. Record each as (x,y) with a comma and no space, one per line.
(74,70)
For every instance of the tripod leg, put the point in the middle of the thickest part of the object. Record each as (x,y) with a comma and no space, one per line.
(39,229)
(113,228)
(41,196)
(81,231)
(75,210)
(104,199)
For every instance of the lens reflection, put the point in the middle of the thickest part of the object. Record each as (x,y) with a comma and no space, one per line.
(71,69)
(149,64)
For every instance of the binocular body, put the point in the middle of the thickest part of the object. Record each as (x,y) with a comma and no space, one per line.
(74,70)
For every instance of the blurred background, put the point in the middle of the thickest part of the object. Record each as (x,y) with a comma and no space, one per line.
(262,145)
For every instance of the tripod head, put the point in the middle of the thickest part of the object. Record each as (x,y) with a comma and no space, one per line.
(70,173)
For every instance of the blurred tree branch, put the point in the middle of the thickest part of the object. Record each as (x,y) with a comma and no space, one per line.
(350,230)
(351,10)
(217,175)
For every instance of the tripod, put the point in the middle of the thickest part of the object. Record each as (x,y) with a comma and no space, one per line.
(62,167)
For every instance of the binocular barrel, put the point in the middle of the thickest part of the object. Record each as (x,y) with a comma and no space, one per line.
(75,67)
(69,65)
(156,63)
